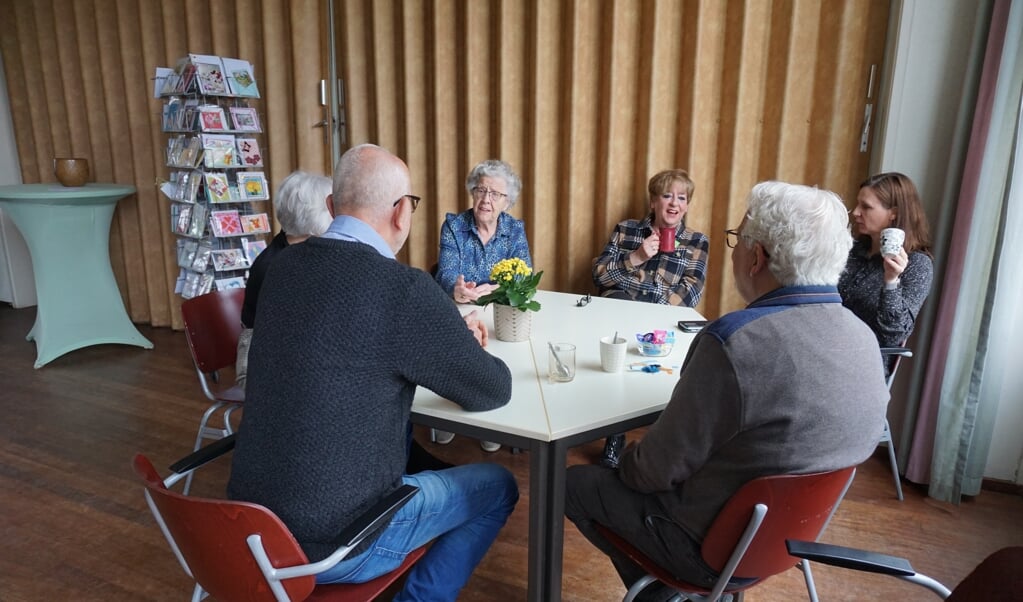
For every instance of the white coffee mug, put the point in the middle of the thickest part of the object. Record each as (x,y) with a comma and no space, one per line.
(891,241)
(612,353)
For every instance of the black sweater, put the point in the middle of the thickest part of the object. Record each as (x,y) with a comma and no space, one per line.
(344,337)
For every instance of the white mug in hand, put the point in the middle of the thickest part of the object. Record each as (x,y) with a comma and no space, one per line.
(891,241)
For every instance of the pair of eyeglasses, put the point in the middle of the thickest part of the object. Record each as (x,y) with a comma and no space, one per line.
(732,238)
(411,197)
(481,193)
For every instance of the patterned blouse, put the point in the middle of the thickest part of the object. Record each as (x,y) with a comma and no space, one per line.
(890,313)
(675,278)
(462,251)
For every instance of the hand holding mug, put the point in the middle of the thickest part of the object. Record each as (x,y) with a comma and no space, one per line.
(894,265)
(647,249)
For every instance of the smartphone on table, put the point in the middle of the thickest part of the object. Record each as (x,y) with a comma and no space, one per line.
(691,326)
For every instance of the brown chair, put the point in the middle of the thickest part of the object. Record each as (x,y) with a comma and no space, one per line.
(212,326)
(746,542)
(998,577)
(242,551)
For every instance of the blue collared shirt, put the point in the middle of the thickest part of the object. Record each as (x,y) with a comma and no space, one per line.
(462,252)
(346,227)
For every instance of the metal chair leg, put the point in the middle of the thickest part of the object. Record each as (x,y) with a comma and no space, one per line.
(811,589)
(894,462)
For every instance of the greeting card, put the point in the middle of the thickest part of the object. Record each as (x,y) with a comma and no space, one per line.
(253,248)
(197,225)
(216,188)
(249,154)
(257,223)
(211,118)
(229,259)
(252,186)
(240,77)
(210,74)
(245,119)
(229,283)
(202,256)
(226,223)
(220,157)
(181,217)
(186,252)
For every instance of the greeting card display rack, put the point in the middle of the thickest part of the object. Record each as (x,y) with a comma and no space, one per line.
(216,186)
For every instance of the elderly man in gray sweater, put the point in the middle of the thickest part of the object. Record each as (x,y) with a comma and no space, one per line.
(791,384)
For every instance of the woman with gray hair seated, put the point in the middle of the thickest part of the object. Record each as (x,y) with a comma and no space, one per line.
(473,241)
(301,208)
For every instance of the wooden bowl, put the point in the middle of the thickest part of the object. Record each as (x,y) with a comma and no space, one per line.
(71,172)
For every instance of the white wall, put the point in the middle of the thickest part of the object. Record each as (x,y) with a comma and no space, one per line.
(923,130)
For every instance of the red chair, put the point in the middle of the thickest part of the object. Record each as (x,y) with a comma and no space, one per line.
(212,326)
(242,551)
(747,538)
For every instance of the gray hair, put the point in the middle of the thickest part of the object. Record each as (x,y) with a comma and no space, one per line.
(301,204)
(494,168)
(805,231)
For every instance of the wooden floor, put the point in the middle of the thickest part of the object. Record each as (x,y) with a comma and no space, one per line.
(74,525)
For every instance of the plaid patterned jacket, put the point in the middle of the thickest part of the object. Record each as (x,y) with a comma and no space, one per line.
(675,278)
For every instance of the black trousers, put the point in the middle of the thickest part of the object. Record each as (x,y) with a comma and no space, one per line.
(595,494)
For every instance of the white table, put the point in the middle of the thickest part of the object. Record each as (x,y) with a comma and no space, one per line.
(548,418)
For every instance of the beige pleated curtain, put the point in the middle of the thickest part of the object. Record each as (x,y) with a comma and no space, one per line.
(79,77)
(586,99)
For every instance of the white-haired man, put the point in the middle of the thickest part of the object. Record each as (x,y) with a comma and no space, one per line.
(790,384)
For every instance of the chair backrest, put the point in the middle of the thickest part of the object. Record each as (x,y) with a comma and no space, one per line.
(212,326)
(209,538)
(796,504)
(892,357)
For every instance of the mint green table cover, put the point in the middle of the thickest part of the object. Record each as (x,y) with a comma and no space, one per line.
(67,231)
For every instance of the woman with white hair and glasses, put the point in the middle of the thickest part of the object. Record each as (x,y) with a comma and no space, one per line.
(472,241)
(301,208)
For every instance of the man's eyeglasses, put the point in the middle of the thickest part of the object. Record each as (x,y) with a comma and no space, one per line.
(481,193)
(412,198)
(732,238)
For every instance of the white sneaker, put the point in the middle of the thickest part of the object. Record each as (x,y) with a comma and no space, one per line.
(490,446)
(442,437)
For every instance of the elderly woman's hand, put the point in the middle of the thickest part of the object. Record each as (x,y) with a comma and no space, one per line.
(477,327)
(468,292)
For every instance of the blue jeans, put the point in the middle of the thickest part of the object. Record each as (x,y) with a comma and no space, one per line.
(460,509)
